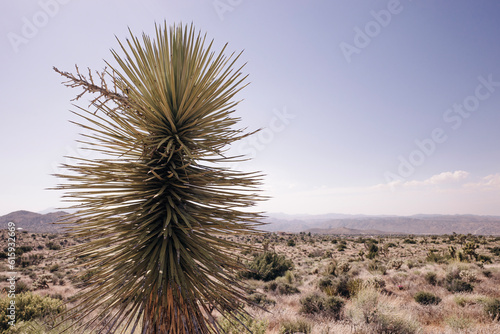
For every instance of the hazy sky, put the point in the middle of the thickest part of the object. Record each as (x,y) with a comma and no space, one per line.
(373,107)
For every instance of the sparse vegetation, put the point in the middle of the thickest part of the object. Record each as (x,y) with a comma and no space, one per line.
(341,293)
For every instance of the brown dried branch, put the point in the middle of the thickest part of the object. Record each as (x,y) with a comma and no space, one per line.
(89,86)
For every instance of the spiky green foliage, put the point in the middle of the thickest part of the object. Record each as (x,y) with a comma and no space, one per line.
(158,200)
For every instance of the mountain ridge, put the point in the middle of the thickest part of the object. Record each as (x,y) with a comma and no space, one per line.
(414,224)
(324,224)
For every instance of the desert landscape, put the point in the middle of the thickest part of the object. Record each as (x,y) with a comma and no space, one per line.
(305,283)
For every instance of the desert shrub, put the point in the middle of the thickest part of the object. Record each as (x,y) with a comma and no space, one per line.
(261,299)
(426,298)
(372,251)
(377,267)
(457,285)
(54,267)
(331,269)
(343,267)
(232,326)
(367,309)
(295,326)
(395,264)
(53,246)
(267,266)
(495,250)
(324,283)
(431,278)
(29,306)
(328,254)
(22,286)
(492,308)
(468,276)
(84,278)
(453,281)
(341,247)
(333,306)
(487,273)
(314,303)
(289,277)
(42,282)
(433,257)
(390,323)
(341,286)
(26,249)
(374,283)
(281,288)
(484,258)
(459,323)
(56,296)
(354,285)
(316,253)
(409,241)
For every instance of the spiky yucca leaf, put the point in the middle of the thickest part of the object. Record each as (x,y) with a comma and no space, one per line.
(154,207)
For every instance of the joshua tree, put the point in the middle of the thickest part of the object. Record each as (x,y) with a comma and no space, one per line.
(159,196)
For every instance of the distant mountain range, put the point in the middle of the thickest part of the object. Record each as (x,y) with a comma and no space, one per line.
(323,224)
(361,224)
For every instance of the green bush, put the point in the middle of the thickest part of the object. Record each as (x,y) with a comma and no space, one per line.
(261,299)
(242,325)
(340,287)
(372,251)
(453,282)
(324,283)
(314,303)
(431,278)
(29,306)
(22,286)
(370,312)
(53,246)
(267,266)
(295,326)
(492,308)
(458,285)
(281,288)
(341,247)
(377,267)
(495,250)
(426,298)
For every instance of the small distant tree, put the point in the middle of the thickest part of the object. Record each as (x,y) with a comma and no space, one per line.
(154,206)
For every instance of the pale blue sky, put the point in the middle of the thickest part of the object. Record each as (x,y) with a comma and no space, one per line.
(343,90)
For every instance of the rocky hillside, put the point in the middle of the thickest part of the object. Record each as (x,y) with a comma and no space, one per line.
(34,222)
